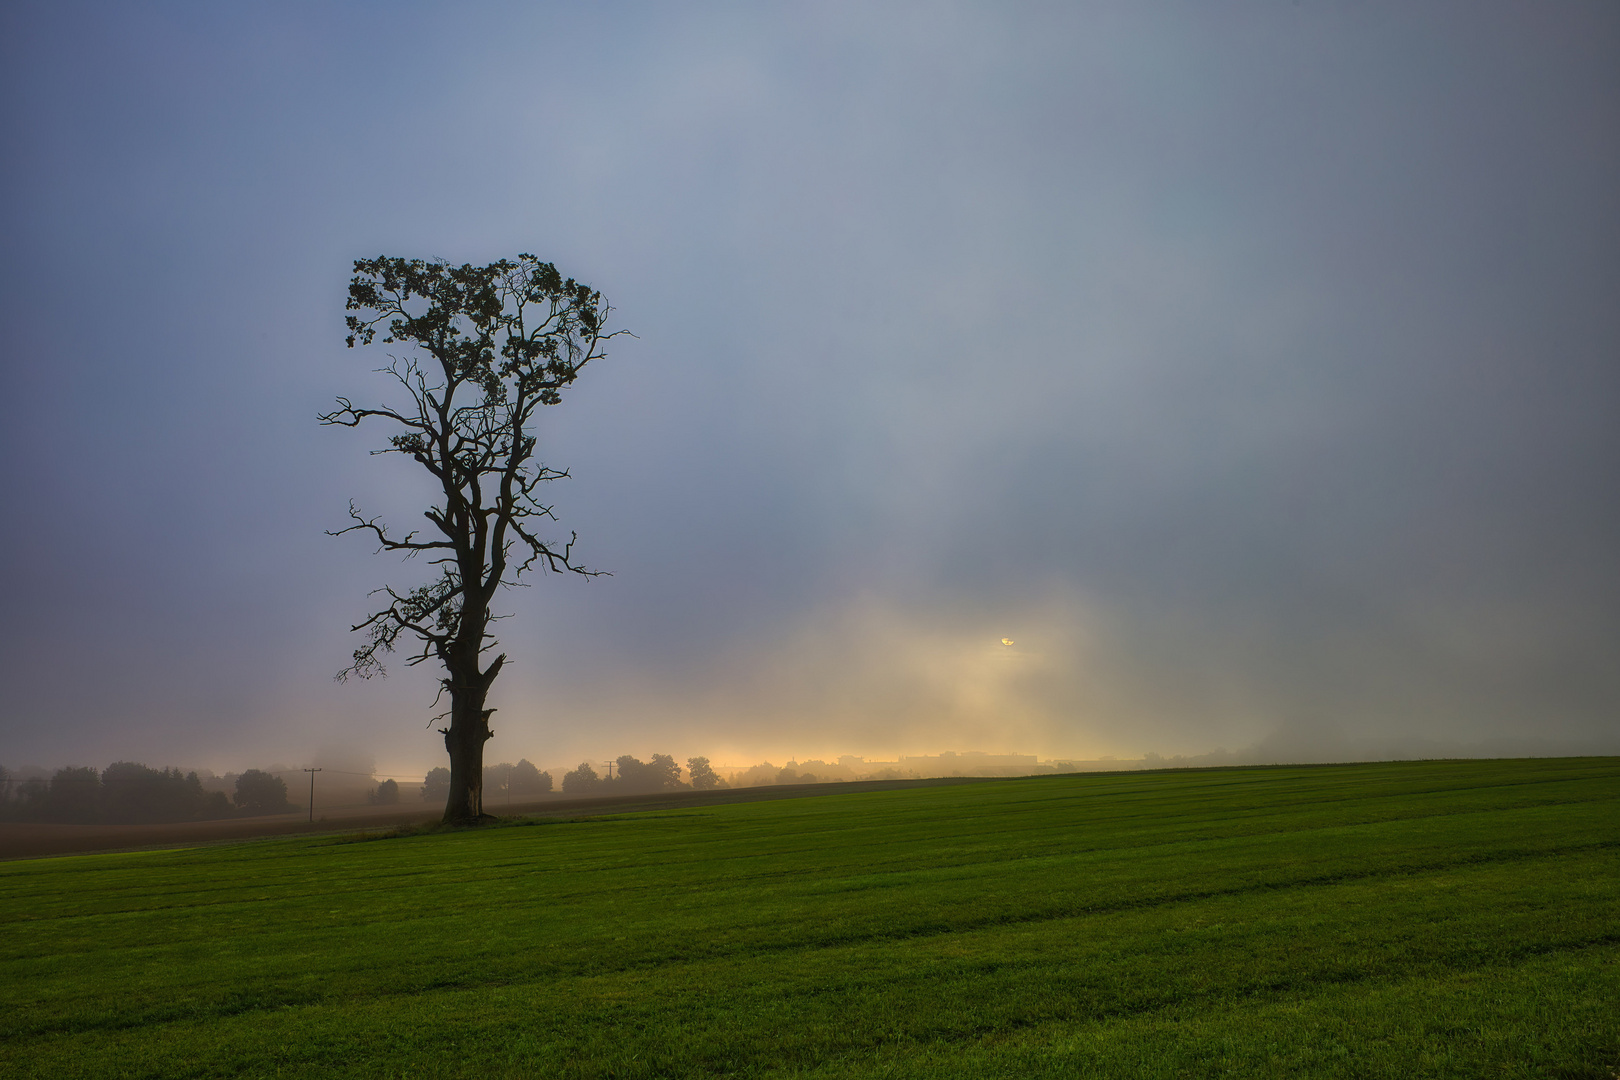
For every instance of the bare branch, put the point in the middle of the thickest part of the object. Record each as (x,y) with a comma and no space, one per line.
(409,545)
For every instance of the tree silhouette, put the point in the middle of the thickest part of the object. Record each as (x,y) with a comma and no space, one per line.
(75,795)
(258,792)
(637,777)
(134,793)
(703,774)
(485,346)
(525,779)
(581,781)
(436,785)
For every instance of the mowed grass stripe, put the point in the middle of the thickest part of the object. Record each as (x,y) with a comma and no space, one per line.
(957,915)
(1125,963)
(170,1001)
(977,985)
(1145,874)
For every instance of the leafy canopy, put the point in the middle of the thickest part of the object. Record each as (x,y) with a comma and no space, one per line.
(488,345)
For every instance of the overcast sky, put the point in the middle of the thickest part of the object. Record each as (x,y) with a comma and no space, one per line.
(1254,367)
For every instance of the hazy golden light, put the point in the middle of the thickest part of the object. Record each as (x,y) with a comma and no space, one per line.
(1006,641)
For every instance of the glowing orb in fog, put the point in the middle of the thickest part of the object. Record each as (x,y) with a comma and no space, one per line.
(1006,641)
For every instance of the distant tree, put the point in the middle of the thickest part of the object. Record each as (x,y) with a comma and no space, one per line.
(758,775)
(33,799)
(136,793)
(387,794)
(525,779)
(437,784)
(703,774)
(498,778)
(637,777)
(581,781)
(259,792)
(500,341)
(75,796)
(12,807)
(664,769)
(132,792)
(630,775)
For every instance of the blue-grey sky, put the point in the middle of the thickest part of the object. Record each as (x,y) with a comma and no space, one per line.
(1254,367)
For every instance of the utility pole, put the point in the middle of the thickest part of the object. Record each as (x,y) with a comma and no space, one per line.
(610,770)
(312,773)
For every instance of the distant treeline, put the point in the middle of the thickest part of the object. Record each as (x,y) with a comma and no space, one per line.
(500,781)
(764,774)
(632,776)
(628,775)
(126,792)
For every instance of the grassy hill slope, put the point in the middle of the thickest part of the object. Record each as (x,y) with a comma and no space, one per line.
(1408,919)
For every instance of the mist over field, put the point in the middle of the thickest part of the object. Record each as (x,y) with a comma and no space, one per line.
(1062,380)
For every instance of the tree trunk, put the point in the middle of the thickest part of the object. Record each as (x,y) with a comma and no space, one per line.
(465,738)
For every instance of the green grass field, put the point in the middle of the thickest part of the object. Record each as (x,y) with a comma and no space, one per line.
(1447,919)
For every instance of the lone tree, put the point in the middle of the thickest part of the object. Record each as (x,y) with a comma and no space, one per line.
(484,347)
(259,792)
